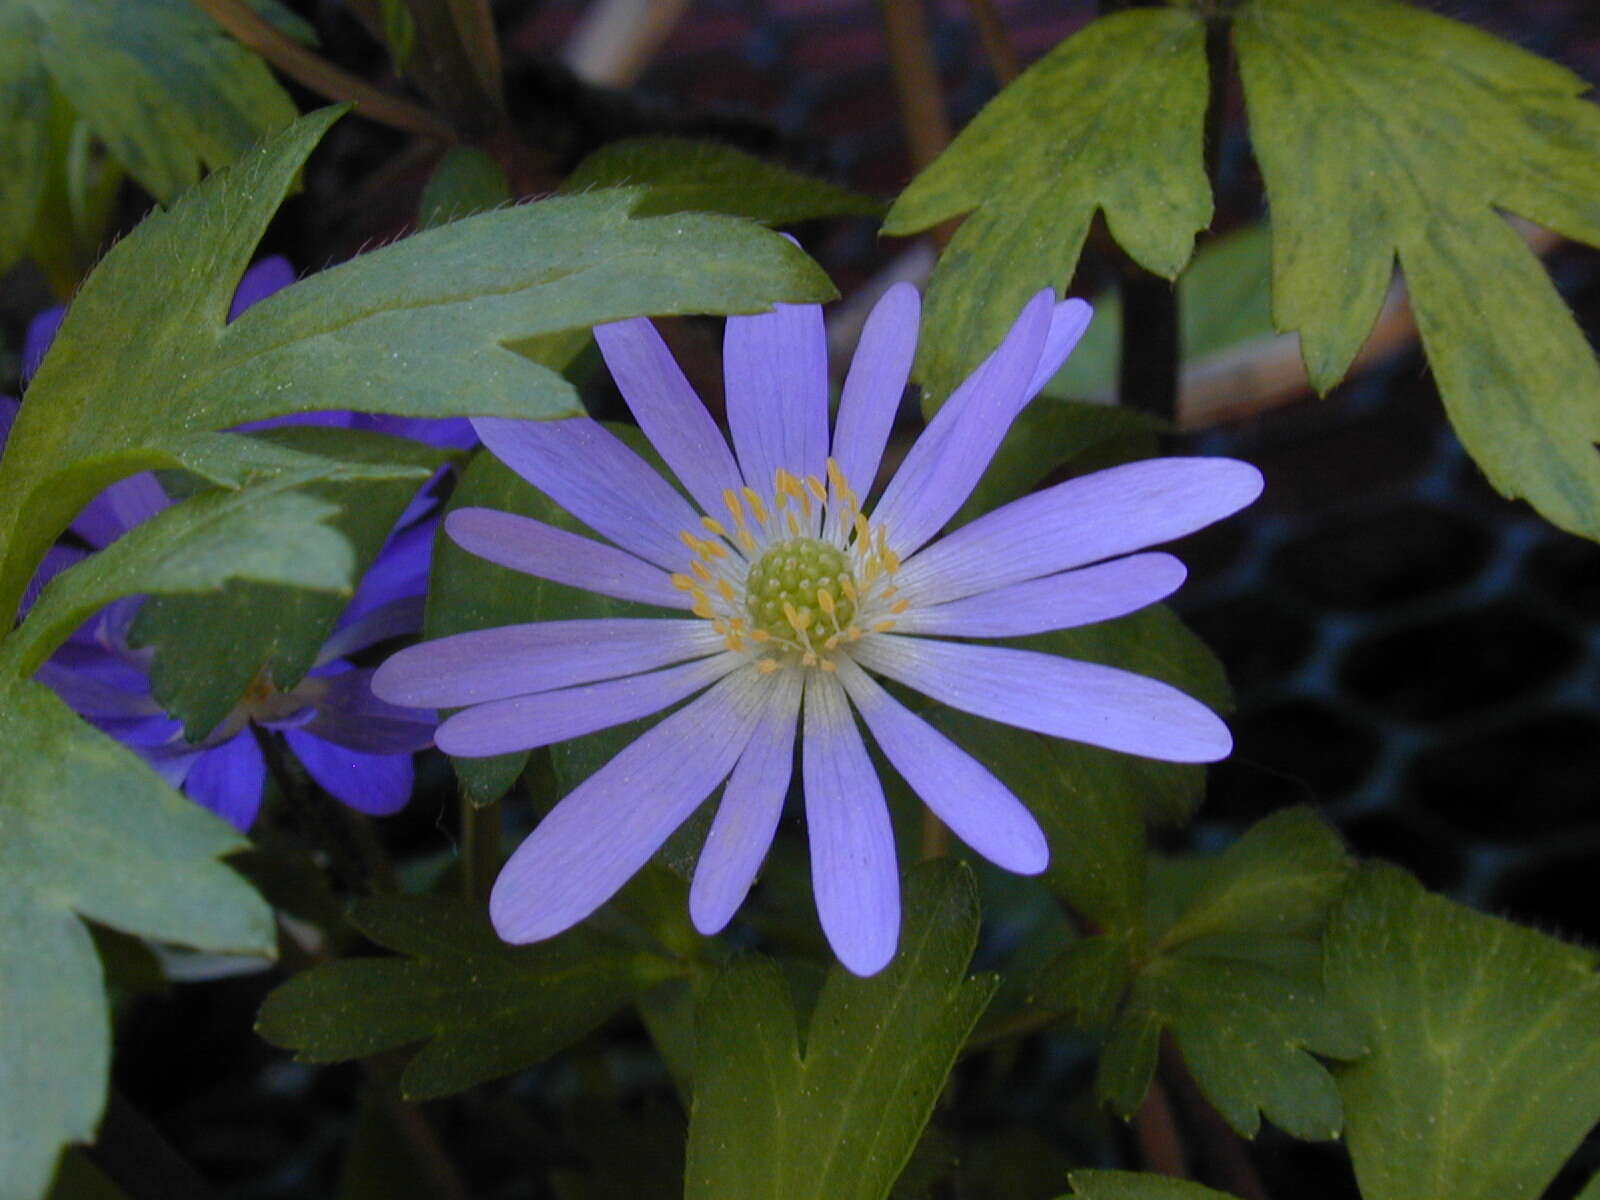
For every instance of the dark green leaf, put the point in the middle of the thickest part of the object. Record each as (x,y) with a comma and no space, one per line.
(840,1122)
(1130,1185)
(145,865)
(24,132)
(626,1155)
(399,31)
(209,648)
(465,182)
(1224,300)
(481,1008)
(1109,120)
(679,175)
(1060,437)
(1484,1074)
(417,328)
(156,80)
(1385,130)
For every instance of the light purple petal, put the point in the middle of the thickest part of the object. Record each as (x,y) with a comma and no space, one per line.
(950,456)
(1068,321)
(609,825)
(590,473)
(394,619)
(853,873)
(376,784)
(535,548)
(875,384)
(517,660)
(346,713)
(1084,702)
(124,504)
(960,790)
(775,369)
(668,411)
(271,274)
(523,722)
(1081,521)
(748,815)
(1064,601)
(227,779)
(36,341)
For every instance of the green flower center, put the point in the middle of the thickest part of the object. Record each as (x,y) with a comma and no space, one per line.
(799,589)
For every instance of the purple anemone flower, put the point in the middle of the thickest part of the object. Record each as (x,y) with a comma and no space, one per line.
(354,745)
(797,596)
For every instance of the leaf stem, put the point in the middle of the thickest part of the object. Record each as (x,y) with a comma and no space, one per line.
(992,33)
(935,836)
(320,75)
(132,1152)
(916,79)
(480,847)
(1222,1150)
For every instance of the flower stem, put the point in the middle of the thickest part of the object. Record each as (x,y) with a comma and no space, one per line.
(321,76)
(992,32)
(935,836)
(480,847)
(916,79)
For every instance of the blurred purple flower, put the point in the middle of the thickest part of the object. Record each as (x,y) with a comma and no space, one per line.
(354,745)
(796,594)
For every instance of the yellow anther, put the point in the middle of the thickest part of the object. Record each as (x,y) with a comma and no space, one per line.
(799,619)
(746,540)
(841,486)
(853,634)
(809,659)
(689,539)
(899,606)
(767,666)
(720,625)
(725,590)
(825,600)
(682,582)
(863,532)
(715,526)
(754,501)
(713,549)
(702,608)
(848,587)
(793,524)
(828,664)
(883,627)
(817,490)
(735,509)
(701,571)
(760,635)
(734,641)
(832,641)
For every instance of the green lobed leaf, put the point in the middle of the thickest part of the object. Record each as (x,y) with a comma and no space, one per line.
(156,80)
(209,648)
(1112,120)
(1382,131)
(681,175)
(841,1121)
(480,1008)
(1132,1185)
(24,132)
(1484,1074)
(1236,978)
(145,865)
(417,328)
(465,181)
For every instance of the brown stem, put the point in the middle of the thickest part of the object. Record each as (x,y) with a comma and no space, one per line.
(992,33)
(935,836)
(1156,1130)
(320,75)
(916,79)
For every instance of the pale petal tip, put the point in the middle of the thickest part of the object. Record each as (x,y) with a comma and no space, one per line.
(866,956)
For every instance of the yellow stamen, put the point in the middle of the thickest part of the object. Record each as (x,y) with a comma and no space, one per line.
(828,664)
(682,582)
(825,600)
(899,606)
(713,525)
(767,666)
(701,571)
(725,590)
(817,490)
(883,627)
(754,501)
